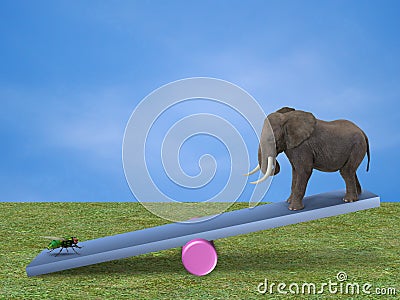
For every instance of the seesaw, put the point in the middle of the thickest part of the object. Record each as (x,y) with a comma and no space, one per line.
(199,256)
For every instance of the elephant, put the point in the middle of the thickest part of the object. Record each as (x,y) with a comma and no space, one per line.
(310,143)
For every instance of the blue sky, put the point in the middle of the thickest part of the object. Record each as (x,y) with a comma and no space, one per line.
(71,73)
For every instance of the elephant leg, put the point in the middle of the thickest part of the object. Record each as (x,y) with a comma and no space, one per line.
(348,172)
(300,189)
(294,177)
(351,189)
(358,186)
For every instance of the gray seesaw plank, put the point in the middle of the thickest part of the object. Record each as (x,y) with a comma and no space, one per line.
(178,234)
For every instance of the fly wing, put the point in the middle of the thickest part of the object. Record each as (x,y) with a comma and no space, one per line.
(53,238)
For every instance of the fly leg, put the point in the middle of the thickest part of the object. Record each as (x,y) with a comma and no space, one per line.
(75,246)
(59,251)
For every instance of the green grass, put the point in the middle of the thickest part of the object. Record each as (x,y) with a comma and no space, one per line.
(364,244)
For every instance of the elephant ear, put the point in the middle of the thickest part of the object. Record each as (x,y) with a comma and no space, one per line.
(298,127)
(285,109)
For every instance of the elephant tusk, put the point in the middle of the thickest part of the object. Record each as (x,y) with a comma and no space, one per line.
(253,171)
(268,173)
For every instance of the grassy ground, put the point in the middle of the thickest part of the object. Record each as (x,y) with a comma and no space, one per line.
(365,245)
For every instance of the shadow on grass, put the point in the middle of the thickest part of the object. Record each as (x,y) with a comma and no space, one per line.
(146,264)
(272,260)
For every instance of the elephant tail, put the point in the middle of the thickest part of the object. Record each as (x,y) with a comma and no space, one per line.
(368,154)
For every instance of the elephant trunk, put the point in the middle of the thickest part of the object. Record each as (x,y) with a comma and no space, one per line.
(266,148)
(266,154)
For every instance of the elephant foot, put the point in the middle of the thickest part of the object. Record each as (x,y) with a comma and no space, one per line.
(289,200)
(296,206)
(348,198)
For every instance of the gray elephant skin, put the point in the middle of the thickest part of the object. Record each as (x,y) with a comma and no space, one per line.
(310,143)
